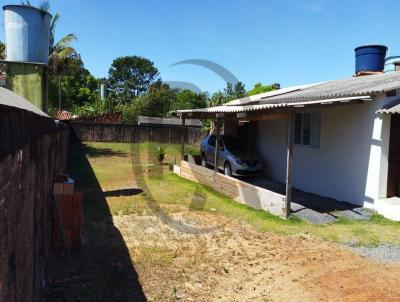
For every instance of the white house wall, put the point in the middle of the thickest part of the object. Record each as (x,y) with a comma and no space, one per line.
(351,163)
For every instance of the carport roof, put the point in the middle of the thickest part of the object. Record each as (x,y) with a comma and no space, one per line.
(345,90)
(257,107)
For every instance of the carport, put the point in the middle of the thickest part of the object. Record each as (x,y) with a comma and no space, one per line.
(276,105)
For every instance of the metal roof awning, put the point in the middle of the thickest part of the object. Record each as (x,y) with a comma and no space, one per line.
(350,90)
(266,107)
(391,107)
(355,86)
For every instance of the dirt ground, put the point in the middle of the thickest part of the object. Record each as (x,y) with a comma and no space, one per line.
(236,263)
(168,251)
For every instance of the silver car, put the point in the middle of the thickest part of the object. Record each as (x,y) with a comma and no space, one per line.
(234,156)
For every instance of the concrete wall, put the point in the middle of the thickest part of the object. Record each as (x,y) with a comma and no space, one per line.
(32,151)
(243,192)
(351,163)
(97,132)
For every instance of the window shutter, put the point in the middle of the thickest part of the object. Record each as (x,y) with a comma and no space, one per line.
(298,128)
(306,133)
(307,129)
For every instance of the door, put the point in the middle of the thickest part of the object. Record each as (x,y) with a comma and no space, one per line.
(393,188)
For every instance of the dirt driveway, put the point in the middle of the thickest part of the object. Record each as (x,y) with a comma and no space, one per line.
(236,263)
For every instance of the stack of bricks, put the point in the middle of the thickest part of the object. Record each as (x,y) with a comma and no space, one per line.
(71,215)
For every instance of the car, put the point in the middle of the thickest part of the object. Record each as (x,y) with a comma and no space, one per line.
(235,158)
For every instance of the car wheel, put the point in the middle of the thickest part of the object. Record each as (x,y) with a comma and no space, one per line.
(227,169)
(203,160)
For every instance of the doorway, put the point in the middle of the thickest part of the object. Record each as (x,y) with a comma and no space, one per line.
(393,188)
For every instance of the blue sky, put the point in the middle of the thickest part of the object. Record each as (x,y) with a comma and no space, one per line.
(287,41)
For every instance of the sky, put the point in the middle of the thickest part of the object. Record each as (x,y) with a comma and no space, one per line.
(289,42)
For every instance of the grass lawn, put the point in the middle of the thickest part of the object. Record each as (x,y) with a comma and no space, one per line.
(141,241)
(119,165)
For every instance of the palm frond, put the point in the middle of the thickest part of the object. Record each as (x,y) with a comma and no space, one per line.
(65,41)
(26,3)
(43,6)
(66,52)
(53,29)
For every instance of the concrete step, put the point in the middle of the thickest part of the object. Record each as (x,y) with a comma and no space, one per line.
(389,208)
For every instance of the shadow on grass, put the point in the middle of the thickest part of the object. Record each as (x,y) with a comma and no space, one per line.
(103,270)
(101,152)
(123,192)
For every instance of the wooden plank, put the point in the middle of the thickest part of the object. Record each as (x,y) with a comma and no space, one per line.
(216,155)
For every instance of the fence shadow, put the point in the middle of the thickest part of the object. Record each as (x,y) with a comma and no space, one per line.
(103,270)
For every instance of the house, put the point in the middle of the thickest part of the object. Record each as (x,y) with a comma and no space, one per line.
(339,139)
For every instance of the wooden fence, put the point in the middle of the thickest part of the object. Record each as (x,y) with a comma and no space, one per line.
(97,132)
(33,149)
(253,196)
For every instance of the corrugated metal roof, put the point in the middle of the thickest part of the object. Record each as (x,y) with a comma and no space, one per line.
(63,115)
(247,108)
(143,120)
(9,98)
(351,89)
(256,98)
(355,86)
(391,107)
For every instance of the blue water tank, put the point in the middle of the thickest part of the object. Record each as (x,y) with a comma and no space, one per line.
(370,58)
(27,31)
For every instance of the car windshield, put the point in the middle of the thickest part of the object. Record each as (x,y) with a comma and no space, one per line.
(234,143)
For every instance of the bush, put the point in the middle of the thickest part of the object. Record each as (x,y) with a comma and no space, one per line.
(161,154)
(95,109)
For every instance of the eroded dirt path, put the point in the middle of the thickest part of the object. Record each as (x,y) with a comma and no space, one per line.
(237,263)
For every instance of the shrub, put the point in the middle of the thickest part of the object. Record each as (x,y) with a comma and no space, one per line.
(161,154)
(96,108)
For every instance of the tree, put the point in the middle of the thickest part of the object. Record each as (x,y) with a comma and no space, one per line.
(239,91)
(131,76)
(2,51)
(2,56)
(156,103)
(59,53)
(228,90)
(187,99)
(260,88)
(61,50)
(77,86)
(234,92)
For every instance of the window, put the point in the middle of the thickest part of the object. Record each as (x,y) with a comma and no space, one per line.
(307,129)
(211,141)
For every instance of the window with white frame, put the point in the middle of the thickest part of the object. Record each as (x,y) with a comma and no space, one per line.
(307,129)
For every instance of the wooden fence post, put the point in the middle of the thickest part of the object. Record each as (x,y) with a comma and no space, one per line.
(289,165)
(183,138)
(217,140)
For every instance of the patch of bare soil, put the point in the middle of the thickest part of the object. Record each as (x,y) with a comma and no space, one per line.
(236,263)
